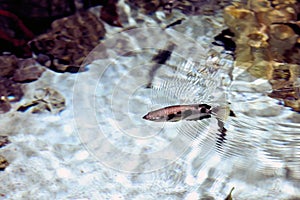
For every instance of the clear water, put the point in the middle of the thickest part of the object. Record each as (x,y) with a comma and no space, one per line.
(101,148)
(259,155)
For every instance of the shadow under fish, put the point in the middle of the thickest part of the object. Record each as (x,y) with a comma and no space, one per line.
(159,59)
(193,112)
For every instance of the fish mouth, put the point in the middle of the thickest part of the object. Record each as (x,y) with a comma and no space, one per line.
(145,117)
(149,118)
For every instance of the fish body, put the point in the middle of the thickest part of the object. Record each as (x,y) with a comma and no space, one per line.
(188,112)
(180,112)
(193,112)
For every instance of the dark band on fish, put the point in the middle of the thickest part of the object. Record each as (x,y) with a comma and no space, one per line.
(170,117)
(205,117)
(204,105)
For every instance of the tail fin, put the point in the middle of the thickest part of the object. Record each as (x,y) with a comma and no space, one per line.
(222,112)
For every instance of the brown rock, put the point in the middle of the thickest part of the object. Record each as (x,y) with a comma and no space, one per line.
(266,35)
(9,90)
(3,163)
(69,42)
(191,7)
(4,105)
(28,71)
(3,141)
(8,65)
(46,99)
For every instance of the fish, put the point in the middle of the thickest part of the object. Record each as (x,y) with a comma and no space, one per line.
(191,112)
(194,112)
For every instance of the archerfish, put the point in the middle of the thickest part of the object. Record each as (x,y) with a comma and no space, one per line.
(188,112)
(193,112)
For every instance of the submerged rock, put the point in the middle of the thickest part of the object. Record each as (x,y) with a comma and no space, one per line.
(3,163)
(3,141)
(70,40)
(28,71)
(14,71)
(267,46)
(9,90)
(46,99)
(4,105)
(186,6)
(8,64)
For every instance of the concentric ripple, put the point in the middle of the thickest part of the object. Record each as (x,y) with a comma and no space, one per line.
(264,132)
(114,99)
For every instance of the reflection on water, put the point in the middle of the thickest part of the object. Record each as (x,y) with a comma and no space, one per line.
(260,150)
(267,46)
(264,129)
(259,155)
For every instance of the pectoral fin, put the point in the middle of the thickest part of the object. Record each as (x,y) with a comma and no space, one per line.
(222,112)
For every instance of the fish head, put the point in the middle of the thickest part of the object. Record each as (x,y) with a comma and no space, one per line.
(155,118)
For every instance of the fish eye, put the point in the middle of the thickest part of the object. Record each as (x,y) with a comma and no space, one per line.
(203,110)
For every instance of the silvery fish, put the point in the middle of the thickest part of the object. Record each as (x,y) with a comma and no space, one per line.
(193,112)
(188,112)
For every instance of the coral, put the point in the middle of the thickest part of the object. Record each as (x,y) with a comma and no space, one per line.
(266,34)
